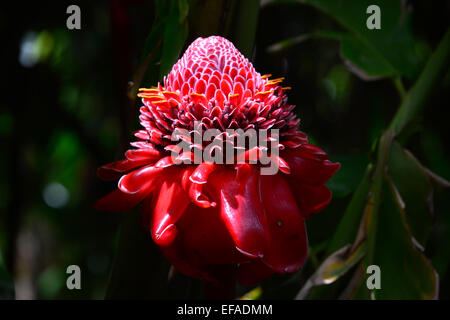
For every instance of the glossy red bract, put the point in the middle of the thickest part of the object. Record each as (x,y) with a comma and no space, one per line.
(204,215)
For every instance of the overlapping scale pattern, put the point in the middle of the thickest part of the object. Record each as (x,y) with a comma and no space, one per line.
(215,84)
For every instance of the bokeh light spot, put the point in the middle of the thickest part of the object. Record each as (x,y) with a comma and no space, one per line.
(55,195)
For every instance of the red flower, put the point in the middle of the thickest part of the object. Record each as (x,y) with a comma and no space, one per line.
(208,214)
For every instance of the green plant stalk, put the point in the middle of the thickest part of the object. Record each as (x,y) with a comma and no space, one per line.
(415,98)
(359,198)
(399,86)
(376,197)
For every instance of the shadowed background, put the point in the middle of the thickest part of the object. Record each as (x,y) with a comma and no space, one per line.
(69,106)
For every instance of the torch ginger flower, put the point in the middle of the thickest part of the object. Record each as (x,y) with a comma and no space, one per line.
(208,214)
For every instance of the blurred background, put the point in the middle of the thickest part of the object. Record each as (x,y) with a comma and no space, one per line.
(69,106)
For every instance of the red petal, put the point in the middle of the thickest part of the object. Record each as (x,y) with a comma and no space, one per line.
(140,180)
(288,242)
(205,239)
(225,87)
(165,162)
(185,182)
(115,170)
(241,211)
(210,91)
(142,134)
(143,154)
(198,197)
(170,204)
(310,171)
(220,98)
(199,98)
(310,199)
(200,87)
(281,163)
(253,271)
(196,182)
(312,152)
(202,172)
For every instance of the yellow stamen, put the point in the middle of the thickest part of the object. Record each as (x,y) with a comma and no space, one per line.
(160,101)
(149,96)
(277,80)
(194,94)
(152,89)
(170,92)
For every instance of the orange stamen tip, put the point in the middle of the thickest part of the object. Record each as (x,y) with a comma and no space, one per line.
(160,101)
(194,94)
(277,80)
(154,95)
(264,92)
(153,89)
(169,92)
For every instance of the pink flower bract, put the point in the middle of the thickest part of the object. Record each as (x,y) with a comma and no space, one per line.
(207,214)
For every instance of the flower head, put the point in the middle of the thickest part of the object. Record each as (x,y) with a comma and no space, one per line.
(205,213)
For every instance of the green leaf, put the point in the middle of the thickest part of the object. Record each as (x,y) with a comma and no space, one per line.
(346,232)
(183,10)
(359,57)
(415,189)
(164,43)
(362,60)
(335,266)
(347,229)
(441,240)
(389,51)
(338,84)
(347,179)
(147,63)
(405,272)
(394,42)
(174,37)
(253,294)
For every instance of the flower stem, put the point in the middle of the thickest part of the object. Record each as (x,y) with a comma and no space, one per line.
(415,99)
(397,81)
